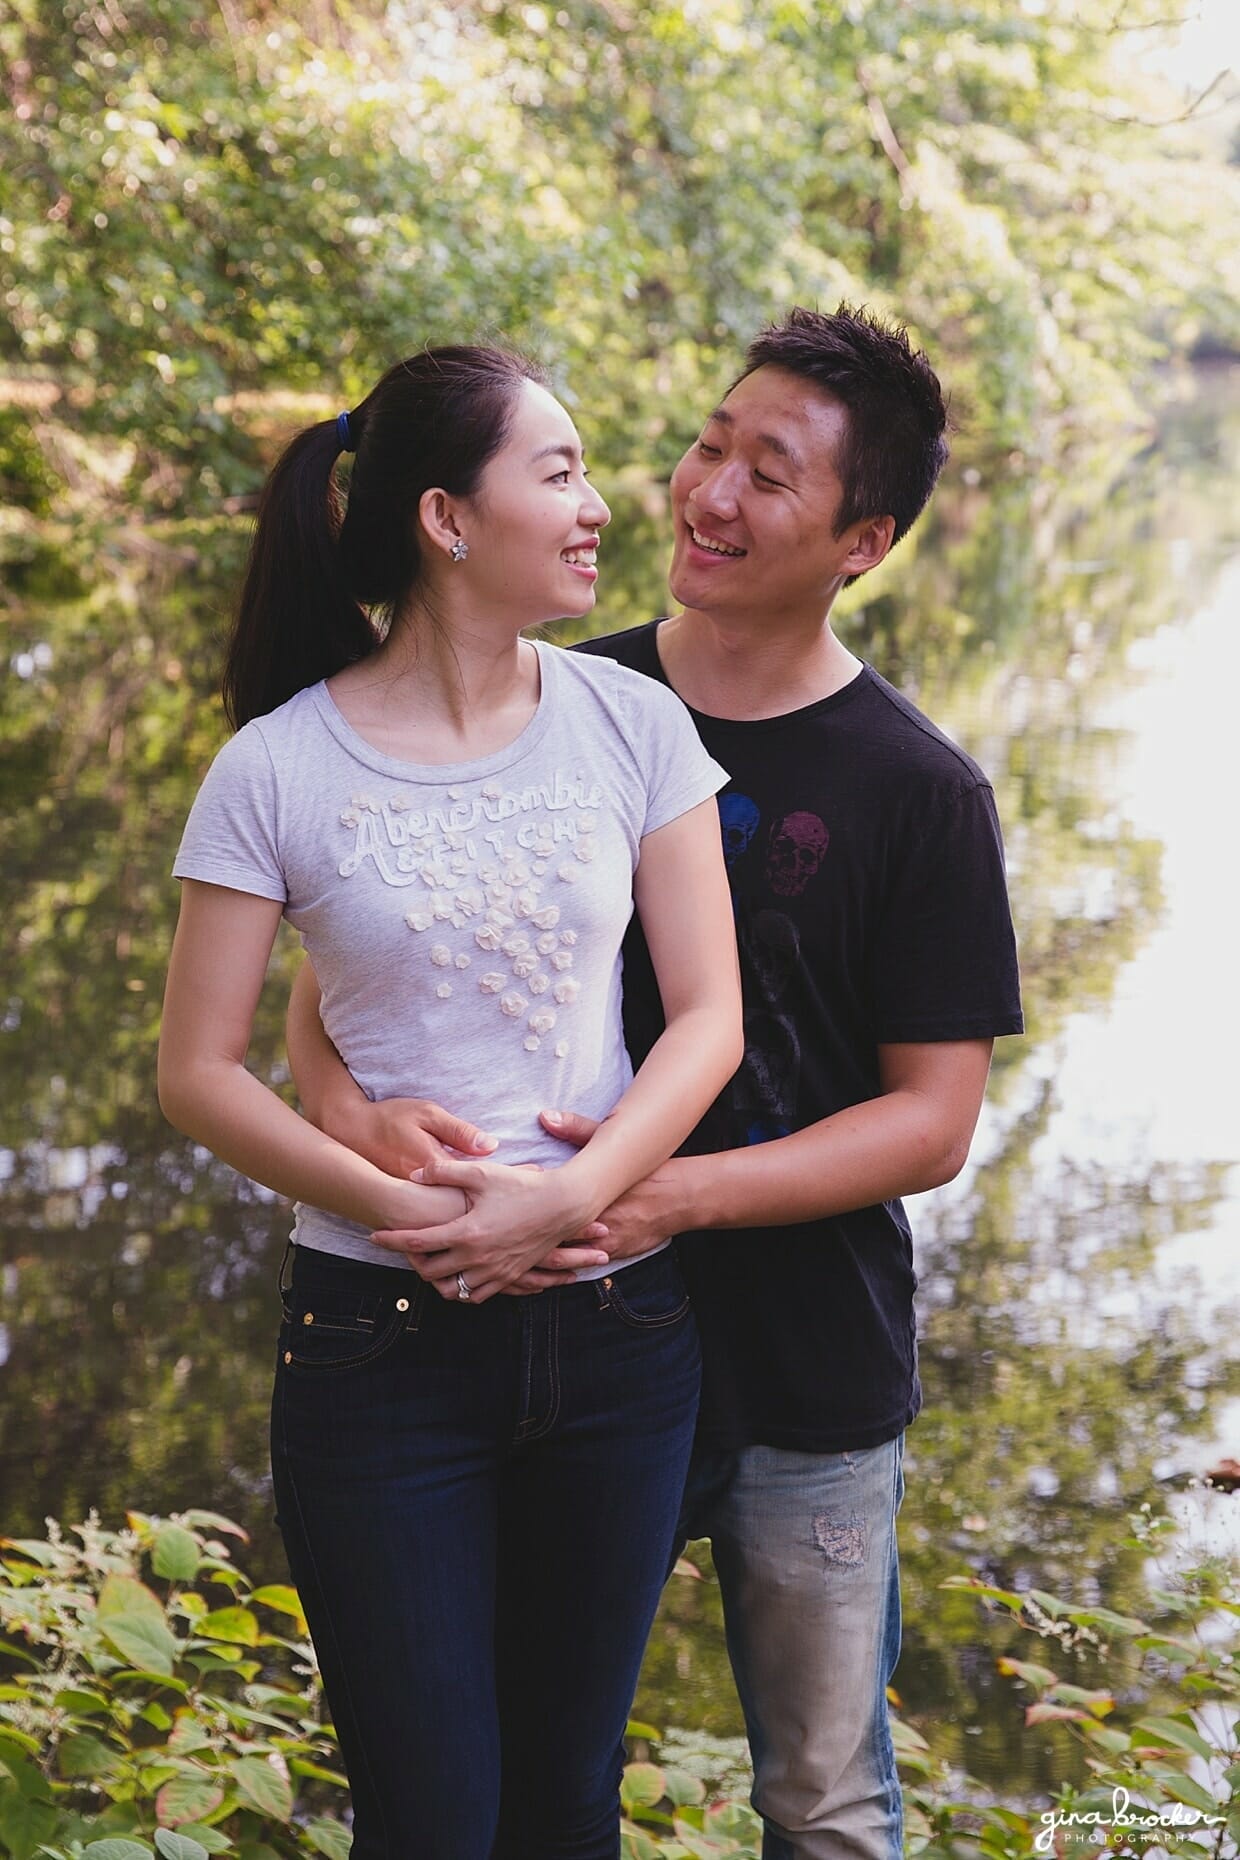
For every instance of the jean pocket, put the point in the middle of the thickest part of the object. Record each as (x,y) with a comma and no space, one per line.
(325,1332)
(648,1295)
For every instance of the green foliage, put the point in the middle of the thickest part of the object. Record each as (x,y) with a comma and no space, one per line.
(212,216)
(140,1718)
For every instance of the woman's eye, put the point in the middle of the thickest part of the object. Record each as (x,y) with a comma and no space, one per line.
(560,477)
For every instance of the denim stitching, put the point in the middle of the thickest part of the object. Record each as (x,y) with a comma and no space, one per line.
(378,1349)
(537,1431)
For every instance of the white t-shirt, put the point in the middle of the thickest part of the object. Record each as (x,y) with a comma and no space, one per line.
(464,919)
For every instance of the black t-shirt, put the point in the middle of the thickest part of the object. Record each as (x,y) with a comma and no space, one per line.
(867,877)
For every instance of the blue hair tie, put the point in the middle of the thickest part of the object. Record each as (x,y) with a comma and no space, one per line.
(343,434)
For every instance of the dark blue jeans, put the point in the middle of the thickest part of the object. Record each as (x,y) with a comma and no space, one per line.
(479,1504)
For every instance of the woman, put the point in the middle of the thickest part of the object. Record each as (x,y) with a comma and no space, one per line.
(477,1493)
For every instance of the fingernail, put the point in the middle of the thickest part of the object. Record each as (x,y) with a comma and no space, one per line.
(553,1117)
(417,1175)
(485,1141)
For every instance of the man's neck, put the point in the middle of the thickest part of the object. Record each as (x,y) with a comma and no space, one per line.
(747,670)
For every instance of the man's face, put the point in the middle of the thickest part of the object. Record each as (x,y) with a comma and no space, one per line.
(755,500)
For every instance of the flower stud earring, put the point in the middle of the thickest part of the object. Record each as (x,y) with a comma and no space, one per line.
(459,549)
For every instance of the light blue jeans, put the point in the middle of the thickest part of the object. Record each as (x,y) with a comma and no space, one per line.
(805,1549)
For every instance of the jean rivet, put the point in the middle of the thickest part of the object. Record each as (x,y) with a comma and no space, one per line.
(606,1285)
(309,1318)
(402,1304)
(288,1356)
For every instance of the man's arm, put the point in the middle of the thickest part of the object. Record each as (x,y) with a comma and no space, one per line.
(915,1135)
(398,1135)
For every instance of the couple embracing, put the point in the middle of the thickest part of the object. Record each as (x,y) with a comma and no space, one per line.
(522,876)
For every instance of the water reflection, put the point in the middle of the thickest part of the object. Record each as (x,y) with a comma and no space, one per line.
(1064,1375)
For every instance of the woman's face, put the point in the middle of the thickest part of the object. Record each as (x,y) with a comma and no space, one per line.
(533,526)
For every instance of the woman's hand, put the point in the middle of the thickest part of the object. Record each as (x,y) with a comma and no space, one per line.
(513,1219)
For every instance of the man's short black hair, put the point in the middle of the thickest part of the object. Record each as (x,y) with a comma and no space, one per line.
(896,443)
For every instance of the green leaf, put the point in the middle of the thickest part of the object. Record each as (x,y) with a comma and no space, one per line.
(1171,1731)
(231,1624)
(178,1846)
(188,1797)
(1184,1789)
(641,1786)
(210,1838)
(140,1675)
(635,1728)
(317,1773)
(263,1787)
(1039,1676)
(82,1704)
(84,1754)
(117,1850)
(155,1714)
(683,1790)
(281,1596)
(212,1521)
(176,1554)
(27,1776)
(329,1837)
(24,1823)
(132,1620)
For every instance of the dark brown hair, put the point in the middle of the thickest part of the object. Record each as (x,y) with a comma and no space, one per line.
(322,566)
(896,442)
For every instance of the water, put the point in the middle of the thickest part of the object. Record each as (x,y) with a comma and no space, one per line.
(1080,1285)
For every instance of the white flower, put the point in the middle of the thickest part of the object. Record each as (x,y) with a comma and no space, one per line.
(546,943)
(349,817)
(488,937)
(568,938)
(441,909)
(531,1043)
(548,918)
(539,984)
(513,1004)
(543,1021)
(444,990)
(516,944)
(491,982)
(462,961)
(562,959)
(566,991)
(418,920)
(525,966)
(569,874)
(585,850)
(587,822)
(441,955)
(561,1049)
(491,791)
(524,902)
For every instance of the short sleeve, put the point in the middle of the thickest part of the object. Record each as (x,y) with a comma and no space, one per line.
(944,957)
(679,773)
(231,835)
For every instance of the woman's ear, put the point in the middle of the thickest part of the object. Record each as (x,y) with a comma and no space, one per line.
(437,514)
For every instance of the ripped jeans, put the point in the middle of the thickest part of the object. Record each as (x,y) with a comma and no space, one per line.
(805,1549)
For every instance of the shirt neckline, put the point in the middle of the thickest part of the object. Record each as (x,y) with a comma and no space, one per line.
(834,700)
(440,773)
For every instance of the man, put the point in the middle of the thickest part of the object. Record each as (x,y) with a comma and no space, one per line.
(878,965)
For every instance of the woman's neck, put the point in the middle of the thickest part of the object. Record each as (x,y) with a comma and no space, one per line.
(440,693)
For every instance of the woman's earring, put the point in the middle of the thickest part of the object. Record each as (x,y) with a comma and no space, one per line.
(459,549)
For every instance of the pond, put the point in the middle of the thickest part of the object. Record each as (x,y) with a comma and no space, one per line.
(1079,1284)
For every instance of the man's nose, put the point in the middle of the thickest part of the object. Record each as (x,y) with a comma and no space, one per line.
(717,494)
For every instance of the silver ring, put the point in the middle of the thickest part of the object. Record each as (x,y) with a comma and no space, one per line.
(462,1288)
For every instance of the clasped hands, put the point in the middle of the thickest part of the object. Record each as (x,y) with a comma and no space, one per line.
(522,1228)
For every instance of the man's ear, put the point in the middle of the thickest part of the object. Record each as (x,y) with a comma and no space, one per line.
(871,543)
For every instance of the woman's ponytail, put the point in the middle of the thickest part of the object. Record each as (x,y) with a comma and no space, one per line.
(319,567)
(297,621)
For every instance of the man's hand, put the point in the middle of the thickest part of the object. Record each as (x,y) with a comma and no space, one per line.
(646,1213)
(402,1135)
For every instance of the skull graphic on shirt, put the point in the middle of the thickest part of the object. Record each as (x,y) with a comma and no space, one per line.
(797,848)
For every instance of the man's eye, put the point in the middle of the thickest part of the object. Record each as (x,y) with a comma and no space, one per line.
(708,452)
(773,483)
